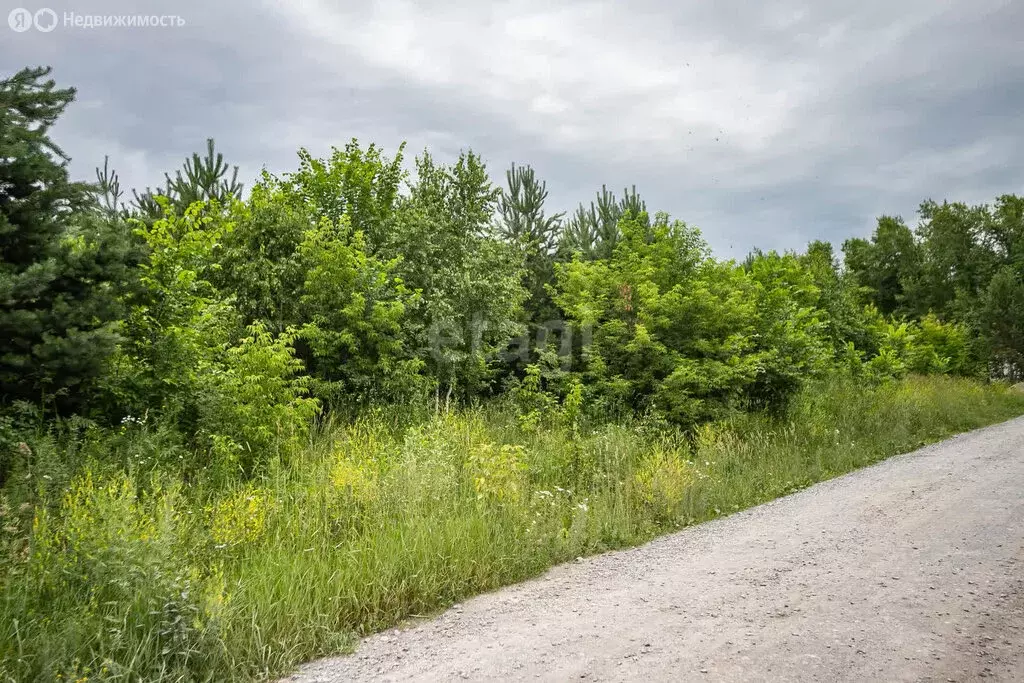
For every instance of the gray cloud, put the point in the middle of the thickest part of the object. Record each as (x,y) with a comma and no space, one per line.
(766,126)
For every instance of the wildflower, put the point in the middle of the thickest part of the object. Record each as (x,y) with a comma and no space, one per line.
(240,517)
(356,479)
(662,480)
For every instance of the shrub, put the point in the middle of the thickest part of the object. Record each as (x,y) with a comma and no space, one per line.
(690,336)
(661,482)
(497,472)
(354,308)
(252,403)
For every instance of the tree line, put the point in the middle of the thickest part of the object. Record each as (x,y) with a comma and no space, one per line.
(236,316)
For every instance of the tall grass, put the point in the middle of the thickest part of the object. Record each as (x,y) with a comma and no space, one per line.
(129,573)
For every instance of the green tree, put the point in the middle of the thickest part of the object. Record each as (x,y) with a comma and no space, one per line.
(61,264)
(261,264)
(673,329)
(238,394)
(841,311)
(201,178)
(594,231)
(470,282)
(958,259)
(1006,231)
(353,307)
(179,319)
(361,184)
(524,225)
(791,342)
(1002,318)
(885,265)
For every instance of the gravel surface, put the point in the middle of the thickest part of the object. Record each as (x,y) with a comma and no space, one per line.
(910,570)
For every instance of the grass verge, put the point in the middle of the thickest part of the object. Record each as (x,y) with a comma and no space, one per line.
(129,573)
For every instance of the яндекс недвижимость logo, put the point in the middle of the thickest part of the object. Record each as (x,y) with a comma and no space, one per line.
(21,19)
(45,20)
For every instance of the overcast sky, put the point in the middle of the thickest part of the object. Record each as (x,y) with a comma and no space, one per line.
(764,124)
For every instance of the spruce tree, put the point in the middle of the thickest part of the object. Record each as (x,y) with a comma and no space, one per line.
(60,260)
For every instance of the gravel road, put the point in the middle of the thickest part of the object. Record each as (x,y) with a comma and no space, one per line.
(911,570)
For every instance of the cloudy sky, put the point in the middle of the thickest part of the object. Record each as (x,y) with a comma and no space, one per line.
(764,124)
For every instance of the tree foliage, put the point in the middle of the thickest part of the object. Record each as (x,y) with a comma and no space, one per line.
(351,282)
(594,231)
(198,380)
(61,264)
(200,179)
(524,224)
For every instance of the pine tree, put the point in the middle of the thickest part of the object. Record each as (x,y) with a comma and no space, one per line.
(594,231)
(205,178)
(60,260)
(524,225)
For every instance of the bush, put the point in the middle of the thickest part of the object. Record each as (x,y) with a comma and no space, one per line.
(662,481)
(354,308)
(690,336)
(252,403)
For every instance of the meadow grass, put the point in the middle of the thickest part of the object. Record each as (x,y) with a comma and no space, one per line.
(128,572)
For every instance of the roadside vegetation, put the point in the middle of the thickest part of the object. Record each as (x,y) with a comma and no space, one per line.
(240,427)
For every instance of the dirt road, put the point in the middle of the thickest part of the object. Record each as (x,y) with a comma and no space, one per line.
(911,570)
